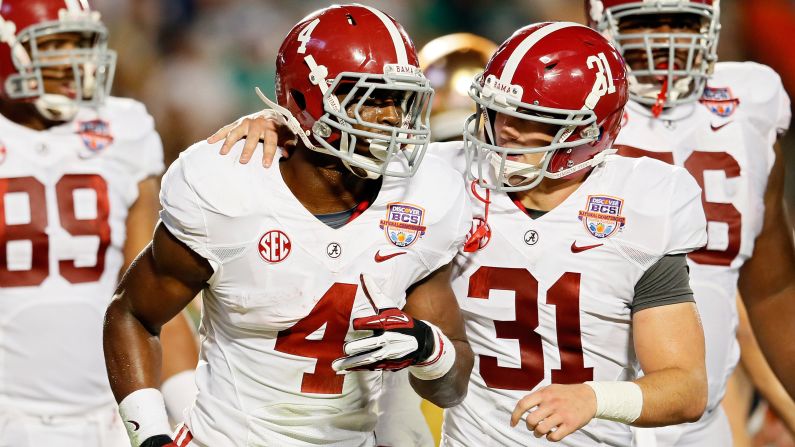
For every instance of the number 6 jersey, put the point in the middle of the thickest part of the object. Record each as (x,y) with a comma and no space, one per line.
(285,289)
(726,143)
(64,197)
(550,300)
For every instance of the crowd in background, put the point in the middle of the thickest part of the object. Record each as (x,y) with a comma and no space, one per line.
(194,63)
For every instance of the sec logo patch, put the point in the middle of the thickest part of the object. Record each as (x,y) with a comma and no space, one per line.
(274,246)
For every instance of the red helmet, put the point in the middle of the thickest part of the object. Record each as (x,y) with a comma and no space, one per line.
(22,22)
(677,64)
(557,73)
(354,50)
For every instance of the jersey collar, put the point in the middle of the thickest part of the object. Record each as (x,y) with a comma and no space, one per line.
(677,113)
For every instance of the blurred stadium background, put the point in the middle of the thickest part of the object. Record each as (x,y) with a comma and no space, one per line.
(195,63)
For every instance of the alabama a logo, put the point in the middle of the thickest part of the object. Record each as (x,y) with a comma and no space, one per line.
(274,246)
(403,224)
(95,134)
(602,216)
(719,101)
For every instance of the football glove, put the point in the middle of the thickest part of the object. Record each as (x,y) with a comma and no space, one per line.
(398,341)
(159,441)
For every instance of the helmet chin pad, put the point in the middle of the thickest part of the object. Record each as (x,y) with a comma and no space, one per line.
(56,107)
(513,169)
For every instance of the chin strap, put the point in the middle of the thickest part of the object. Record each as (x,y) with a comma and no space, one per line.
(56,107)
(597,159)
(514,168)
(289,120)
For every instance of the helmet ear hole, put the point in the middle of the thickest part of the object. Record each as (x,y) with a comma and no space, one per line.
(299,99)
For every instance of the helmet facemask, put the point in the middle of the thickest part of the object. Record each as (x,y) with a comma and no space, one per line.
(91,64)
(342,125)
(405,142)
(665,68)
(572,128)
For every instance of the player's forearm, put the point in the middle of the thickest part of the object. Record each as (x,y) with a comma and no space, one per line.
(761,374)
(180,346)
(450,389)
(672,396)
(772,321)
(769,386)
(132,353)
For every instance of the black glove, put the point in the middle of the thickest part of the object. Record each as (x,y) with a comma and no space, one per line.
(159,441)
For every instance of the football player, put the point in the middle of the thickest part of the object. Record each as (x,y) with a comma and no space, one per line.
(318,274)
(574,269)
(721,122)
(77,203)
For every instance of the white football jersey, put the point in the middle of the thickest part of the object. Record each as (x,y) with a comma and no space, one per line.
(64,197)
(548,300)
(285,289)
(726,143)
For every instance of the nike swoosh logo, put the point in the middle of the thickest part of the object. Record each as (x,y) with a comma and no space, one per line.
(135,424)
(382,258)
(401,319)
(717,128)
(576,249)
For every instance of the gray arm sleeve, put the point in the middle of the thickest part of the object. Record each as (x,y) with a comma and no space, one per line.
(666,282)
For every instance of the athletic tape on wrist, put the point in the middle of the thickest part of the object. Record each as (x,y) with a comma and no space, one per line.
(144,415)
(617,401)
(441,360)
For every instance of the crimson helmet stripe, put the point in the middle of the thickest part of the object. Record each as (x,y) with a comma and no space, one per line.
(397,39)
(522,49)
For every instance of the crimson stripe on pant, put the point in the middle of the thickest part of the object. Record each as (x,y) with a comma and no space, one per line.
(183,437)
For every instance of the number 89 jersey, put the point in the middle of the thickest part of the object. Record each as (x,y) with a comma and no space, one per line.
(726,143)
(285,289)
(549,300)
(64,198)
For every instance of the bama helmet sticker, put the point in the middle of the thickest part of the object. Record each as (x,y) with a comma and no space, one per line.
(602,216)
(403,224)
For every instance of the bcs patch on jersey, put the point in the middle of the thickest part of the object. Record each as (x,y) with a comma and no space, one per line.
(403,224)
(95,134)
(719,101)
(602,216)
(274,246)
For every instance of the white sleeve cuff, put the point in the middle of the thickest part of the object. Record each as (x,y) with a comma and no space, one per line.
(144,415)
